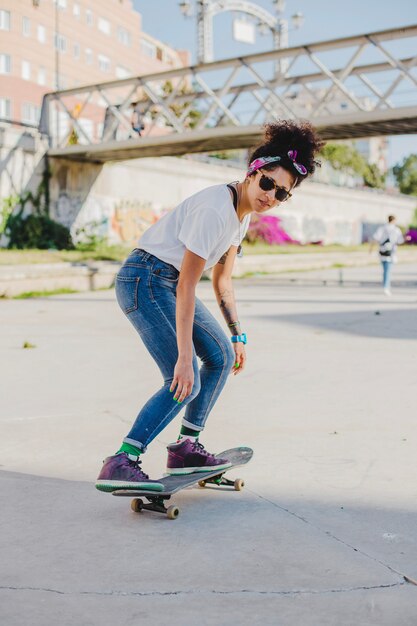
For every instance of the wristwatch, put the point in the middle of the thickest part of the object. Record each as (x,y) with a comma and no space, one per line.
(239,338)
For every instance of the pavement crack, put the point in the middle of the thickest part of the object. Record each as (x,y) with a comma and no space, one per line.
(220,592)
(332,536)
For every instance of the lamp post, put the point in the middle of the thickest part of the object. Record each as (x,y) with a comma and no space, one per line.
(36,5)
(57,44)
(207,9)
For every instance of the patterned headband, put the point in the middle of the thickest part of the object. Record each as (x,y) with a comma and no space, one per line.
(262,161)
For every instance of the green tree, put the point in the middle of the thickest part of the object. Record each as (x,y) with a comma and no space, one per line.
(373,177)
(343,156)
(178,108)
(406,175)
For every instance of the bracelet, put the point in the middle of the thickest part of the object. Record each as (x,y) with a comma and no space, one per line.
(233,324)
(239,338)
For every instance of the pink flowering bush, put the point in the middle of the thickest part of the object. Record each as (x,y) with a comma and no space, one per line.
(268,228)
(411,236)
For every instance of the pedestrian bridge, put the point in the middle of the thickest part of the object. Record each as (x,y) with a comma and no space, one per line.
(353,87)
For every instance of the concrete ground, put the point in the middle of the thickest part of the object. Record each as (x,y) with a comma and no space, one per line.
(324,534)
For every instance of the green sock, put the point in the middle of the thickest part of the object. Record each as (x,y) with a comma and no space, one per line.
(188,432)
(127,447)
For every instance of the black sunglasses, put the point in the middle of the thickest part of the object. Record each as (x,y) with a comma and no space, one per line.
(266,184)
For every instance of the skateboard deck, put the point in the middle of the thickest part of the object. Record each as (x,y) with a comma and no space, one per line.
(172,484)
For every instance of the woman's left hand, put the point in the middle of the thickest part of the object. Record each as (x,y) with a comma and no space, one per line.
(240,358)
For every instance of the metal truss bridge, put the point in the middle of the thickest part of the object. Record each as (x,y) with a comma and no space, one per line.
(353,87)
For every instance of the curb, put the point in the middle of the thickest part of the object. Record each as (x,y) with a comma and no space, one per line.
(19,279)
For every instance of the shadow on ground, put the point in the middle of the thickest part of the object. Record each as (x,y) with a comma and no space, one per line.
(380,323)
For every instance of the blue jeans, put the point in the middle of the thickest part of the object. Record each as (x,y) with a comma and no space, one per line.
(386,273)
(146,292)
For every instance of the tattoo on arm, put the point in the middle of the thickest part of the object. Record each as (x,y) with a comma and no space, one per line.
(226,304)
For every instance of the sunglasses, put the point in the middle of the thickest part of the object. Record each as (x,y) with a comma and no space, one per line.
(266,184)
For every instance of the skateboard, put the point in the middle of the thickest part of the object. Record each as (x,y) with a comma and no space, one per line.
(155,501)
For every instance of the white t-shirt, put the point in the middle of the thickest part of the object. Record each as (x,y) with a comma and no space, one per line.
(392,233)
(205,223)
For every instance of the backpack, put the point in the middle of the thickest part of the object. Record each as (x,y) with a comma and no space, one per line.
(386,247)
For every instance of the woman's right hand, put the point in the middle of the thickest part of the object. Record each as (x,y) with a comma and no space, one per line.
(183,380)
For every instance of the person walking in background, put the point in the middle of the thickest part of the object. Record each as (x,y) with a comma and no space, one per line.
(137,119)
(388,236)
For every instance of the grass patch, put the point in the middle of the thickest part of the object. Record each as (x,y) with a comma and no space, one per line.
(43,294)
(29,257)
(265,248)
(119,253)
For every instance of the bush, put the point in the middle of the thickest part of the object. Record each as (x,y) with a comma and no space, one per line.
(87,239)
(268,228)
(411,236)
(37,231)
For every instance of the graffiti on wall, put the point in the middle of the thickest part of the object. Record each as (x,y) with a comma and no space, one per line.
(313,229)
(131,218)
(67,208)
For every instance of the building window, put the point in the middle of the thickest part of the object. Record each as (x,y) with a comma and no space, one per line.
(5,64)
(76,10)
(122,72)
(89,56)
(30,113)
(26,70)
(104,63)
(41,76)
(104,26)
(89,17)
(5,109)
(4,20)
(26,26)
(77,51)
(148,49)
(123,36)
(60,42)
(41,33)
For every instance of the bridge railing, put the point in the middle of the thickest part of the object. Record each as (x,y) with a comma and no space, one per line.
(366,73)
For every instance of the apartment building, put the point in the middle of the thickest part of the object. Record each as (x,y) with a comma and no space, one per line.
(58,44)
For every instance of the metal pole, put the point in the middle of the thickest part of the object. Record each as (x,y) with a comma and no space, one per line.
(57,86)
(204,35)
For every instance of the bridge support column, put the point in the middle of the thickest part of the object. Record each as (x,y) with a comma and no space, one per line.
(70,186)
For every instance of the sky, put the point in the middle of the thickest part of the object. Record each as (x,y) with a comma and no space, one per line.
(323,19)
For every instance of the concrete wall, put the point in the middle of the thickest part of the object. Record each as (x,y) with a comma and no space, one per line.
(125,198)
(121,200)
(21,153)
(319,212)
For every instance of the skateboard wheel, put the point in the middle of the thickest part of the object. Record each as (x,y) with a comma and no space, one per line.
(173,512)
(239,484)
(202,483)
(136,505)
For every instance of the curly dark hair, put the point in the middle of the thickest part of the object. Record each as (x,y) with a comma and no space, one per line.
(285,135)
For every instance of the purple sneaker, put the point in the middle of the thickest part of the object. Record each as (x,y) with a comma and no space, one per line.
(189,456)
(122,472)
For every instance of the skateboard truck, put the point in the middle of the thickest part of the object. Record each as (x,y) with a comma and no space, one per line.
(219,480)
(156,504)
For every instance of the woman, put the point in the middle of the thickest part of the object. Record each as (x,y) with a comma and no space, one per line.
(156,290)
